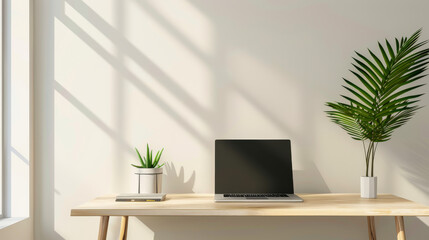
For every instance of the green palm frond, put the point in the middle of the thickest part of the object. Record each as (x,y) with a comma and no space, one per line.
(380,100)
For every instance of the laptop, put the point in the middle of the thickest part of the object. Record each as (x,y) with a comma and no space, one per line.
(254,171)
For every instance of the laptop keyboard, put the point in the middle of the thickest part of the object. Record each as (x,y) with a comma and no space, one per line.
(258,195)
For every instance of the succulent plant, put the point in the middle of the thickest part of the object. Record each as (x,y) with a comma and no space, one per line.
(149,161)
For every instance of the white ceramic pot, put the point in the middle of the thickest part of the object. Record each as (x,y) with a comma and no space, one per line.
(368,187)
(149,180)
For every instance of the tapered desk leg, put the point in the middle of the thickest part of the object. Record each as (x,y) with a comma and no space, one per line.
(124,228)
(104,224)
(371,228)
(400,230)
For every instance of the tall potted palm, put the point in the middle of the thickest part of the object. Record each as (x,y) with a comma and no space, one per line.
(382,98)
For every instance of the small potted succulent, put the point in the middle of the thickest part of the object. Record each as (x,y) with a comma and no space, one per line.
(149,172)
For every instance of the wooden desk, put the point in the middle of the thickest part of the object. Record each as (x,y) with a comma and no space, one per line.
(204,205)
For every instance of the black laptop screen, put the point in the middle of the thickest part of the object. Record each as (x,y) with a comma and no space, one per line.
(253,166)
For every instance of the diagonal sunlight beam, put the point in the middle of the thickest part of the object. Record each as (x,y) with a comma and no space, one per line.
(92,117)
(180,37)
(252,100)
(134,53)
(119,66)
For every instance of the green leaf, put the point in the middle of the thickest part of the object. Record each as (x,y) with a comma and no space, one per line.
(389,47)
(397,83)
(147,154)
(349,124)
(394,109)
(391,97)
(364,111)
(150,160)
(161,165)
(145,162)
(400,100)
(371,72)
(367,95)
(409,59)
(359,96)
(158,157)
(137,166)
(411,49)
(377,60)
(373,67)
(397,45)
(367,77)
(162,150)
(140,157)
(386,59)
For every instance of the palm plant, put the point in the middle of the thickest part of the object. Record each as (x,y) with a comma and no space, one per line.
(382,97)
(149,161)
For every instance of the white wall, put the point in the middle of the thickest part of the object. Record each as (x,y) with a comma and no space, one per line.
(111,75)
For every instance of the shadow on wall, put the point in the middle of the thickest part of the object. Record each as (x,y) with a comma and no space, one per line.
(416,166)
(410,150)
(303,181)
(174,182)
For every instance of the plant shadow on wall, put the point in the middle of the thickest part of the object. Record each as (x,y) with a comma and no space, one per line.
(175,181)
(410,152)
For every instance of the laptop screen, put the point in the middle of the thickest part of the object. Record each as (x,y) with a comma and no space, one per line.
(253,166)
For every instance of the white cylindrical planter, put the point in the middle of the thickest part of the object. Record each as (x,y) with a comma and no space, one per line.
(368,187)
(149,180)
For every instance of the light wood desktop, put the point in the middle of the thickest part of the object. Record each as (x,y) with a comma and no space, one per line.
(204,205)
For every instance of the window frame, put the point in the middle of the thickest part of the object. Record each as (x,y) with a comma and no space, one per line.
(16,111)
(2,167)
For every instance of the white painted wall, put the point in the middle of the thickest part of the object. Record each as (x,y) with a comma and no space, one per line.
(111,75)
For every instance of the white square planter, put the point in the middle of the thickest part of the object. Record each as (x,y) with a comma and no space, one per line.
(368,187)
(149,180)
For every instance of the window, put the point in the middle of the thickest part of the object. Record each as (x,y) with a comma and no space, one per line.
(15,107)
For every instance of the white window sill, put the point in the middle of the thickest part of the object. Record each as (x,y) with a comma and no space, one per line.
(6,222)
